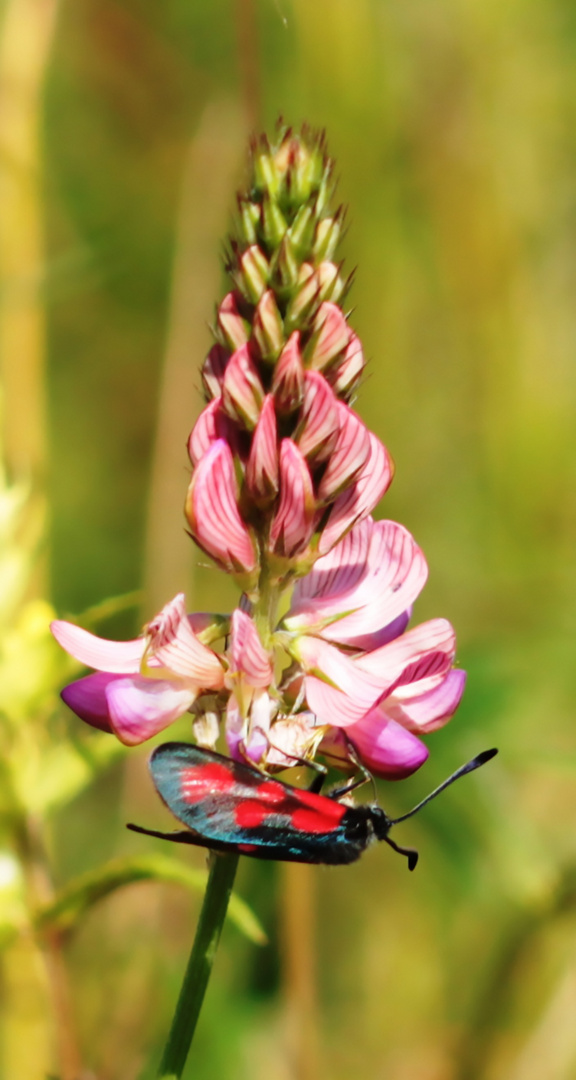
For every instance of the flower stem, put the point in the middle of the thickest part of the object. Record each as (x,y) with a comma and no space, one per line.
(218,890)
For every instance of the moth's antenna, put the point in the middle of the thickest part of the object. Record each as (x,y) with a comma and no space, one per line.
(476,762)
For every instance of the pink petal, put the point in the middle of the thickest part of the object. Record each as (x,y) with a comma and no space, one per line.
(112,656)
(288,378)
(359,500)
(174,644)
(247,654)
(319,424)
(429,711)
(423,655)
(242,390)
(341,569)
(139,708)
(87,698)
(351,454)
(337,690)
(294,521)
(386,748)
(262,470)
(213,515)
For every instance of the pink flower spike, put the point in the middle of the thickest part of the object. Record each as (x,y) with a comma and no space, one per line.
(242,390)
(353,505)
(385,748)
(366,583)
(262,470)
(140,708)
(231,323)
(352,452)
(318,427)
(331,336)
(429,711)
(248,656)
(121,657)
(288,379)
(212,424)
(213,515)
(292,526)
(173,643)
(213,370)
(345,374)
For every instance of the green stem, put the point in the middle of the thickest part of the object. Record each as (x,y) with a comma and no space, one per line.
(218,889)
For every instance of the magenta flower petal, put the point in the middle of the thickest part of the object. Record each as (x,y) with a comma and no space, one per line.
(87,698)
(386,748)
(122,657)
(242,390)
(354,504)
(262,470)
(247,654)
(430,710)
(294,521)
(213,515)
(139,708)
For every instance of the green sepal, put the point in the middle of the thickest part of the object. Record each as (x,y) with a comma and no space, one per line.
(274,223)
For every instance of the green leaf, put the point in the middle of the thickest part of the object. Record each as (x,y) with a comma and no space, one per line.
(69,905)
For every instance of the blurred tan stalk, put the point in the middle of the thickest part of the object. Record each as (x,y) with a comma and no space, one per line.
(26,36)
(210,170)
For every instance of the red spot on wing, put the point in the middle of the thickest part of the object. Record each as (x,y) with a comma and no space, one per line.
(312,822)
(271,793)
(249,814)
(329,809)
(198,781)
(247,848)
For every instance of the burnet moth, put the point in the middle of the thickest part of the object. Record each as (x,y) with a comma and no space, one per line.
(229,806)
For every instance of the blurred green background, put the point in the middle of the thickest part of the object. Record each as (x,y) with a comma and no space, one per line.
(123,131)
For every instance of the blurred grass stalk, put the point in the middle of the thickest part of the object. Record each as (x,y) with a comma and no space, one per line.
(26,36)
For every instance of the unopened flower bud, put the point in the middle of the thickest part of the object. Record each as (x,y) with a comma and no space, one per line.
(330,284)
(292,526)
(326,238)
(262,467)
(301,232)
(318,425)
(232,326)
(253,273)
(351,453)
(213,371)
(331,336)
(242,390)
(288,379)
(273,222)
(345,374)
(212,424)
(212,513)
(249,220)
(305,297)
(267,327)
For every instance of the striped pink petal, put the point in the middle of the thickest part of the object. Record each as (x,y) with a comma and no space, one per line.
(213,515)
(351,454)
(139,708)
(345,374)
(122,657)
(353,505)
(392,575)
(213,370)
(294,521)
(247,654)
(230,322)
(319,424)
(424,655)
(337,691)
(172,641)
(212,424)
